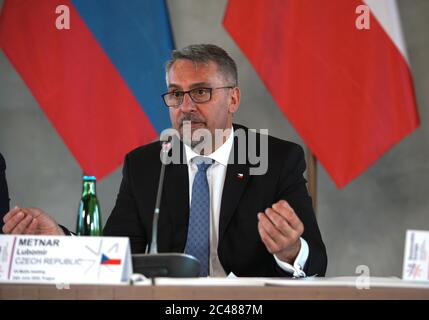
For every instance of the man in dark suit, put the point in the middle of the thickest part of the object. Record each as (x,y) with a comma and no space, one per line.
(213,206)
(240,248)
(4,194)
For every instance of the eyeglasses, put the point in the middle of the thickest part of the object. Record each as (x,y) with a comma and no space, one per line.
(198,95)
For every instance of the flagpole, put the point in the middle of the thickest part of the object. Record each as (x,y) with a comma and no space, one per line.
(312,177)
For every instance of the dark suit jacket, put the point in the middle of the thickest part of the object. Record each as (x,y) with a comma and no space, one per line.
(4,194)
(240,248)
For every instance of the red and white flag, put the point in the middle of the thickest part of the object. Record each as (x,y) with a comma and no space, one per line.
(342,78)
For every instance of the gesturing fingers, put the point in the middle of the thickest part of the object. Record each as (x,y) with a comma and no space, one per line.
(280,223)
(275,231)
(11,213)
(280,230)
(269,242)
(14,218)
(287,212)
(31,229)
(21,227)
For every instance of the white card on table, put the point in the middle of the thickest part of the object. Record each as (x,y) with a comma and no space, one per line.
(63,259)
(416,258)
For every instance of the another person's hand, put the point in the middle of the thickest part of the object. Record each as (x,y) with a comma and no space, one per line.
(280,230)
(30,221)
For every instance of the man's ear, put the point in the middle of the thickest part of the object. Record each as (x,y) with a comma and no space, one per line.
(234,100)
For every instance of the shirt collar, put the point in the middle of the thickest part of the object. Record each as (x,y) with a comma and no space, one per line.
(221,155)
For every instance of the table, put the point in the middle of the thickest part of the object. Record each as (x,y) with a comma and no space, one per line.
(238,289)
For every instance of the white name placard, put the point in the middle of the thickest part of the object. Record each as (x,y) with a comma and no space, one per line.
(63,259)
(416,256)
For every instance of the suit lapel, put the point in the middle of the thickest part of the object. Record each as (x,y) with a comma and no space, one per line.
(236,179)
(176,195)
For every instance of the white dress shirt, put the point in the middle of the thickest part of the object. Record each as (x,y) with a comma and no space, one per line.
(216,178)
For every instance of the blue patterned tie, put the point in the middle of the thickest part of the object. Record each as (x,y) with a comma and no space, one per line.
(198,242)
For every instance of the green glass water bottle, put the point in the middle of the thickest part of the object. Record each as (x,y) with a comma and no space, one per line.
(89,215)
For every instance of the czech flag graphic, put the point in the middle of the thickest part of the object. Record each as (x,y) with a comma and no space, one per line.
(105,260)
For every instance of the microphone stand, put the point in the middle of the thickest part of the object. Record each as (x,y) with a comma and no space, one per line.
(154,264)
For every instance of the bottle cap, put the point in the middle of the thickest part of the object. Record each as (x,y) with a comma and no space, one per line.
(89,178)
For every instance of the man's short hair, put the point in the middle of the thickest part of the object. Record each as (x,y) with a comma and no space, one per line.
(203,53)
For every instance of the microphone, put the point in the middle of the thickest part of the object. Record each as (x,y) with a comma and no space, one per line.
(165,148)
(156,264)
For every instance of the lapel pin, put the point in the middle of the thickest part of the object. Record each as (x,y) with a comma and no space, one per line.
(240,175)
